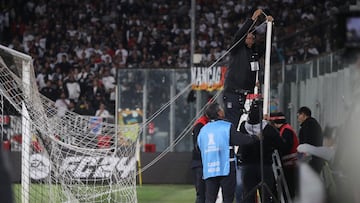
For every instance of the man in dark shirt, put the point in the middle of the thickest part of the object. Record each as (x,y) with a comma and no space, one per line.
(310,133)
(240,78)
(48,91)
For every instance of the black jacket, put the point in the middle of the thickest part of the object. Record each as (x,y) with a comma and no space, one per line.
(250,154)
(196,155)
(239,74)
(311,133)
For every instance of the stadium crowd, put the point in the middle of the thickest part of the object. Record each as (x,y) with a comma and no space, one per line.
(78,46)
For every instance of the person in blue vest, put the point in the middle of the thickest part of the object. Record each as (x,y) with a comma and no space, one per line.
(216,140)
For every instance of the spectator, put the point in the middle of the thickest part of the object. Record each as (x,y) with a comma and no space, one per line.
(96,90)
(48,91)
(62,104)
(108,81)
(83,39)
(102,112)
(41,78)
(84,107)
(123,53)
(81,77)
(64,65)
(57,75)
(72,87)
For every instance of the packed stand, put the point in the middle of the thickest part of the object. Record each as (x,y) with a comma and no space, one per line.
(78,46)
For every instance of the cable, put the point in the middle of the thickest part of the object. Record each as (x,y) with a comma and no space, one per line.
(160,110)
(264,13)
(188,128)
(185,132)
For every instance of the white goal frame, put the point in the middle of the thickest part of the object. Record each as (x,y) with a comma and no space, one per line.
(80,170)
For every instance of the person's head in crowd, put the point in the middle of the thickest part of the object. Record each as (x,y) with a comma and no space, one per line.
(214,111)
(96,82)
(277,119)
(49,83)
(63,95)
(71,77)
(98,96)
(303,113)
(63,58)
(102,106)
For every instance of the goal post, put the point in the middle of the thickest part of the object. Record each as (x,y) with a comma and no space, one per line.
(72,158)
(26,135)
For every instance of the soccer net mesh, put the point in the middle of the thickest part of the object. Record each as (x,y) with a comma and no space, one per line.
(68,159)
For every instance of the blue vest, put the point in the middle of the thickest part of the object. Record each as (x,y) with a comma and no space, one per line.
(213,141)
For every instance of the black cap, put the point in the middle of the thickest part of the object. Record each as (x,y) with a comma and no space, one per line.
(277,117)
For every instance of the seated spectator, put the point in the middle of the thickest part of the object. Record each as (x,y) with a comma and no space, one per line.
(102,112)
(62,105)
(84,107)
(73,87)
(48,91)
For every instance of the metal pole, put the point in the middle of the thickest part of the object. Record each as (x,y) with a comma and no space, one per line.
(117,108)
(144,109)
(192,52)
(26,135)
(2,119)
(172,111)
(266,100)
(283,103)
(192,40)
(267,69)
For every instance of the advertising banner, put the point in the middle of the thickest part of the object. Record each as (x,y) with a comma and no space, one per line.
(206,78)
(129,124)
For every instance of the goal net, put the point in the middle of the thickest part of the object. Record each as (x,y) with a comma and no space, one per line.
(64,159)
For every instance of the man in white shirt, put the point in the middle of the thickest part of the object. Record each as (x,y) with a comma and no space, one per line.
(62,105)
(102,112)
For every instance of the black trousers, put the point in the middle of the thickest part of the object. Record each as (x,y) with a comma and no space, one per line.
(291,176)
(227,184)
(6,194)
(233,106)
(251,177)
(199,184)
